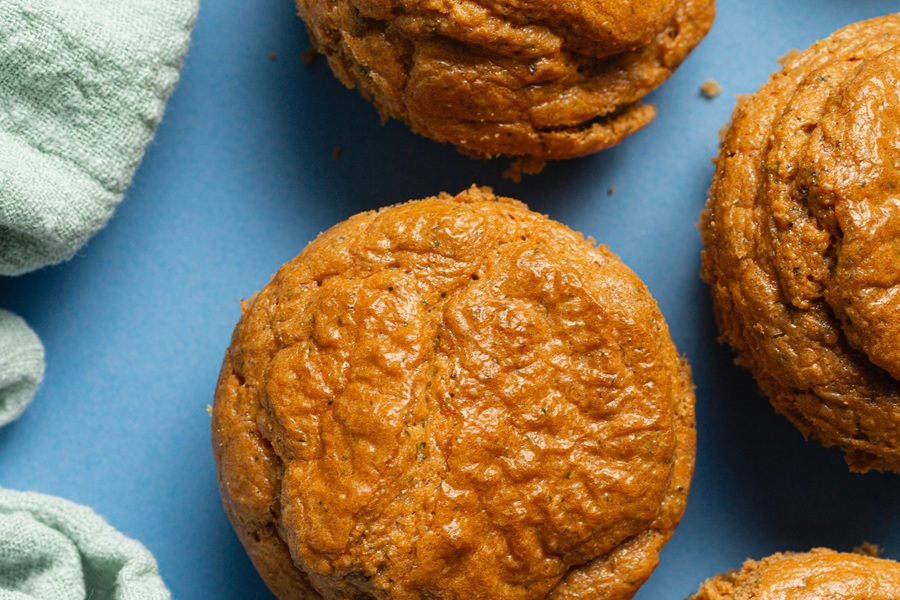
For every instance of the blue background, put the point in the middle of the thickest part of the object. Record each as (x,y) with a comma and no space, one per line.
(243,173)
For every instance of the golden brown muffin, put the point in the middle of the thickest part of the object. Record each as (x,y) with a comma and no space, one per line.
(453,398)
(527,78)
(802,240)
(819,574)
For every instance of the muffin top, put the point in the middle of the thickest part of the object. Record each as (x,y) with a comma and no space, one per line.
(458,398)
(802,240)
(534,79)
(819,574)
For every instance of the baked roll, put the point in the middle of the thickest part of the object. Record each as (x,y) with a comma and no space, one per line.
(454,398)
(529,79)
(801,238)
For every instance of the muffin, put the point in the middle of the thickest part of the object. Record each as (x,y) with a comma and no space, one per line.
(453,398)
(802,241)
(529,79)
(819,574)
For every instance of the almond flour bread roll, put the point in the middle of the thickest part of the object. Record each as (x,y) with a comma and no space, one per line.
(454,398)
(819,574)
(537,80)
(802,240)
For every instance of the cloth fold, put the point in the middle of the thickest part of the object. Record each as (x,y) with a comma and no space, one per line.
(54,549)
(83,84)
(21,365)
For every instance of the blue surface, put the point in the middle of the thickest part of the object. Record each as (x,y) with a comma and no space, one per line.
(242,175)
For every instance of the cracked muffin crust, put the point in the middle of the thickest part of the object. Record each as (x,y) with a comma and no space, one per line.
(454,398)
(536,80)
(801,238)
(819,574)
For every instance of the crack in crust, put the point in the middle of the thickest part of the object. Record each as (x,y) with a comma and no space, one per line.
(800,235)
(509,77)
(454,398)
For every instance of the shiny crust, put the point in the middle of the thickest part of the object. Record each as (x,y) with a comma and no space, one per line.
(521,78)
(819,574)
(454,398)
(800,237)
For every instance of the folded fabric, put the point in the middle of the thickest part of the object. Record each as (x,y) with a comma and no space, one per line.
(53,549)
(83,84)
(21,365)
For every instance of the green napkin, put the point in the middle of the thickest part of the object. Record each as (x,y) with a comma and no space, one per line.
(52,549)
(21,365)
(83,84)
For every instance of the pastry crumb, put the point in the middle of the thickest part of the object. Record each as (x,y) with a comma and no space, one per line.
(868,549)
(611,190)
(336,153)
(524,165)
(710,88)
(308,56)
(273,56)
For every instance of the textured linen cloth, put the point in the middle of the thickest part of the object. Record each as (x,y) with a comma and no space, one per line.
(21,365)
(83,85)
(53,549)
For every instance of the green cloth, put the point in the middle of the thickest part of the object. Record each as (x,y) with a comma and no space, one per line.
(21,366)
(83,84)
(52,549)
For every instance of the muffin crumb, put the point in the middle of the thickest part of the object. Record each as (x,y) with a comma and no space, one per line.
(868,549)
(309,55)
(525,165)
(710,88)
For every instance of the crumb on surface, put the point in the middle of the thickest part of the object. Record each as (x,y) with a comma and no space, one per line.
(308,56)
(336,153)
(710,88)
(611,190)
(273,56)
(868,549)
(524,165)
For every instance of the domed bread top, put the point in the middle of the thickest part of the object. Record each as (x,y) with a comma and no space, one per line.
(819,574)
(527,78)
(458,398)
(802,240)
